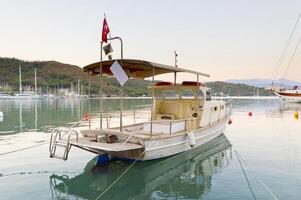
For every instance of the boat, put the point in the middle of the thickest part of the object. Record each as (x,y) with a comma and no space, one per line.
(21,94)
(192,170)
(183,117)
(290,95)
(3,95)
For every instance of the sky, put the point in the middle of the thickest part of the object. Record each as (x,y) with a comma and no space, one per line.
(227,39)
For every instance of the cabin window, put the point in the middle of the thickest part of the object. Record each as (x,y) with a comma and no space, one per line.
(171,94)
(208,95)
(159,94)
(187,94)
(200,94)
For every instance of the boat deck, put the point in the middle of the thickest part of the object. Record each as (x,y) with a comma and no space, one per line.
(112,147)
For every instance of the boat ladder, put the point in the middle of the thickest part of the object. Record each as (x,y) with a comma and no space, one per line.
(60,138)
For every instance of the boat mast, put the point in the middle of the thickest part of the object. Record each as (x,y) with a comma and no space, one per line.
(35,80)
(176,65)
(20,79)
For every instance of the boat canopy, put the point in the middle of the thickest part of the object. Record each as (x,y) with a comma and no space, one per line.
(137,68)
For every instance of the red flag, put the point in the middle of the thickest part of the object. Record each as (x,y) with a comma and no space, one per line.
(105,31)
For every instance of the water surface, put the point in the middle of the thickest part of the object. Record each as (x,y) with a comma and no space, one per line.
(268,145)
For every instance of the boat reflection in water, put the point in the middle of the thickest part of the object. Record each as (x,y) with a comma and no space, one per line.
(283,108)
(186,175)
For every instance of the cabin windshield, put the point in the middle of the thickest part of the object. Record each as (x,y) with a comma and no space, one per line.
(171,94)
(187,94)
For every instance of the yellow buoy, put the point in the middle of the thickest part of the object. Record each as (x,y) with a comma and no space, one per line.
(296,115)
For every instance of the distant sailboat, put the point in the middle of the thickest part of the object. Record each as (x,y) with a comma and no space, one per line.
(287,94)
(25,95)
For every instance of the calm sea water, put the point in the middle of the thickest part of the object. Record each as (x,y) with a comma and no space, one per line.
(258,157)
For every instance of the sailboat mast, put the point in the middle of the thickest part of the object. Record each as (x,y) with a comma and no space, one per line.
(20,79)
(35,80)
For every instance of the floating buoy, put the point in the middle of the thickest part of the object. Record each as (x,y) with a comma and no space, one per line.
(296,115)
(230,121)
(250,114)
(86,116)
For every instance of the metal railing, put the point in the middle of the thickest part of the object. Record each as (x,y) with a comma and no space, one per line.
(187,125)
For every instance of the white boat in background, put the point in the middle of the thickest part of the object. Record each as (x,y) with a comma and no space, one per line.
(21,94)
(4,95)
(289,95)
(183,117)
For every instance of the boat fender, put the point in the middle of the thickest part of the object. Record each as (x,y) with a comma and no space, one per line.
(191,139)
(102,159)
(86,116)
(296,115)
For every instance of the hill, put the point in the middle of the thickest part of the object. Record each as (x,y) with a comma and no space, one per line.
(264,82)
(231,89)
(53,74)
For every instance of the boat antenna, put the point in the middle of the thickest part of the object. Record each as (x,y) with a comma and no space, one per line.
(176,65)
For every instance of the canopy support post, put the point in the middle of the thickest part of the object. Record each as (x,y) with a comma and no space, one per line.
(121,98)
(101,87)
(153,94)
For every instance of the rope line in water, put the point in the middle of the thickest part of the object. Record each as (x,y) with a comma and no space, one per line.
(260,180)
(124,172)
(246,177)
(25,148)
(40,144)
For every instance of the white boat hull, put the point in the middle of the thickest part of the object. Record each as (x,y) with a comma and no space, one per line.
(20,97)
(156,149)
(289,96)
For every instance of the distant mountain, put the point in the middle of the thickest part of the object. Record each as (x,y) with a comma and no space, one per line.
(262,83)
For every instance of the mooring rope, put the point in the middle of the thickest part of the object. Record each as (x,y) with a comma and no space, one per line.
(260,180)
(40,144)
(125,171)
(246,177)
(25,148)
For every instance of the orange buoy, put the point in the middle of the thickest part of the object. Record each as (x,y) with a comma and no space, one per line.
(230,121)
(86,116)
(250,114)
(296,115)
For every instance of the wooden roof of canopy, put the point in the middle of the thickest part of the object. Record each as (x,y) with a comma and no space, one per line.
(137,68)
